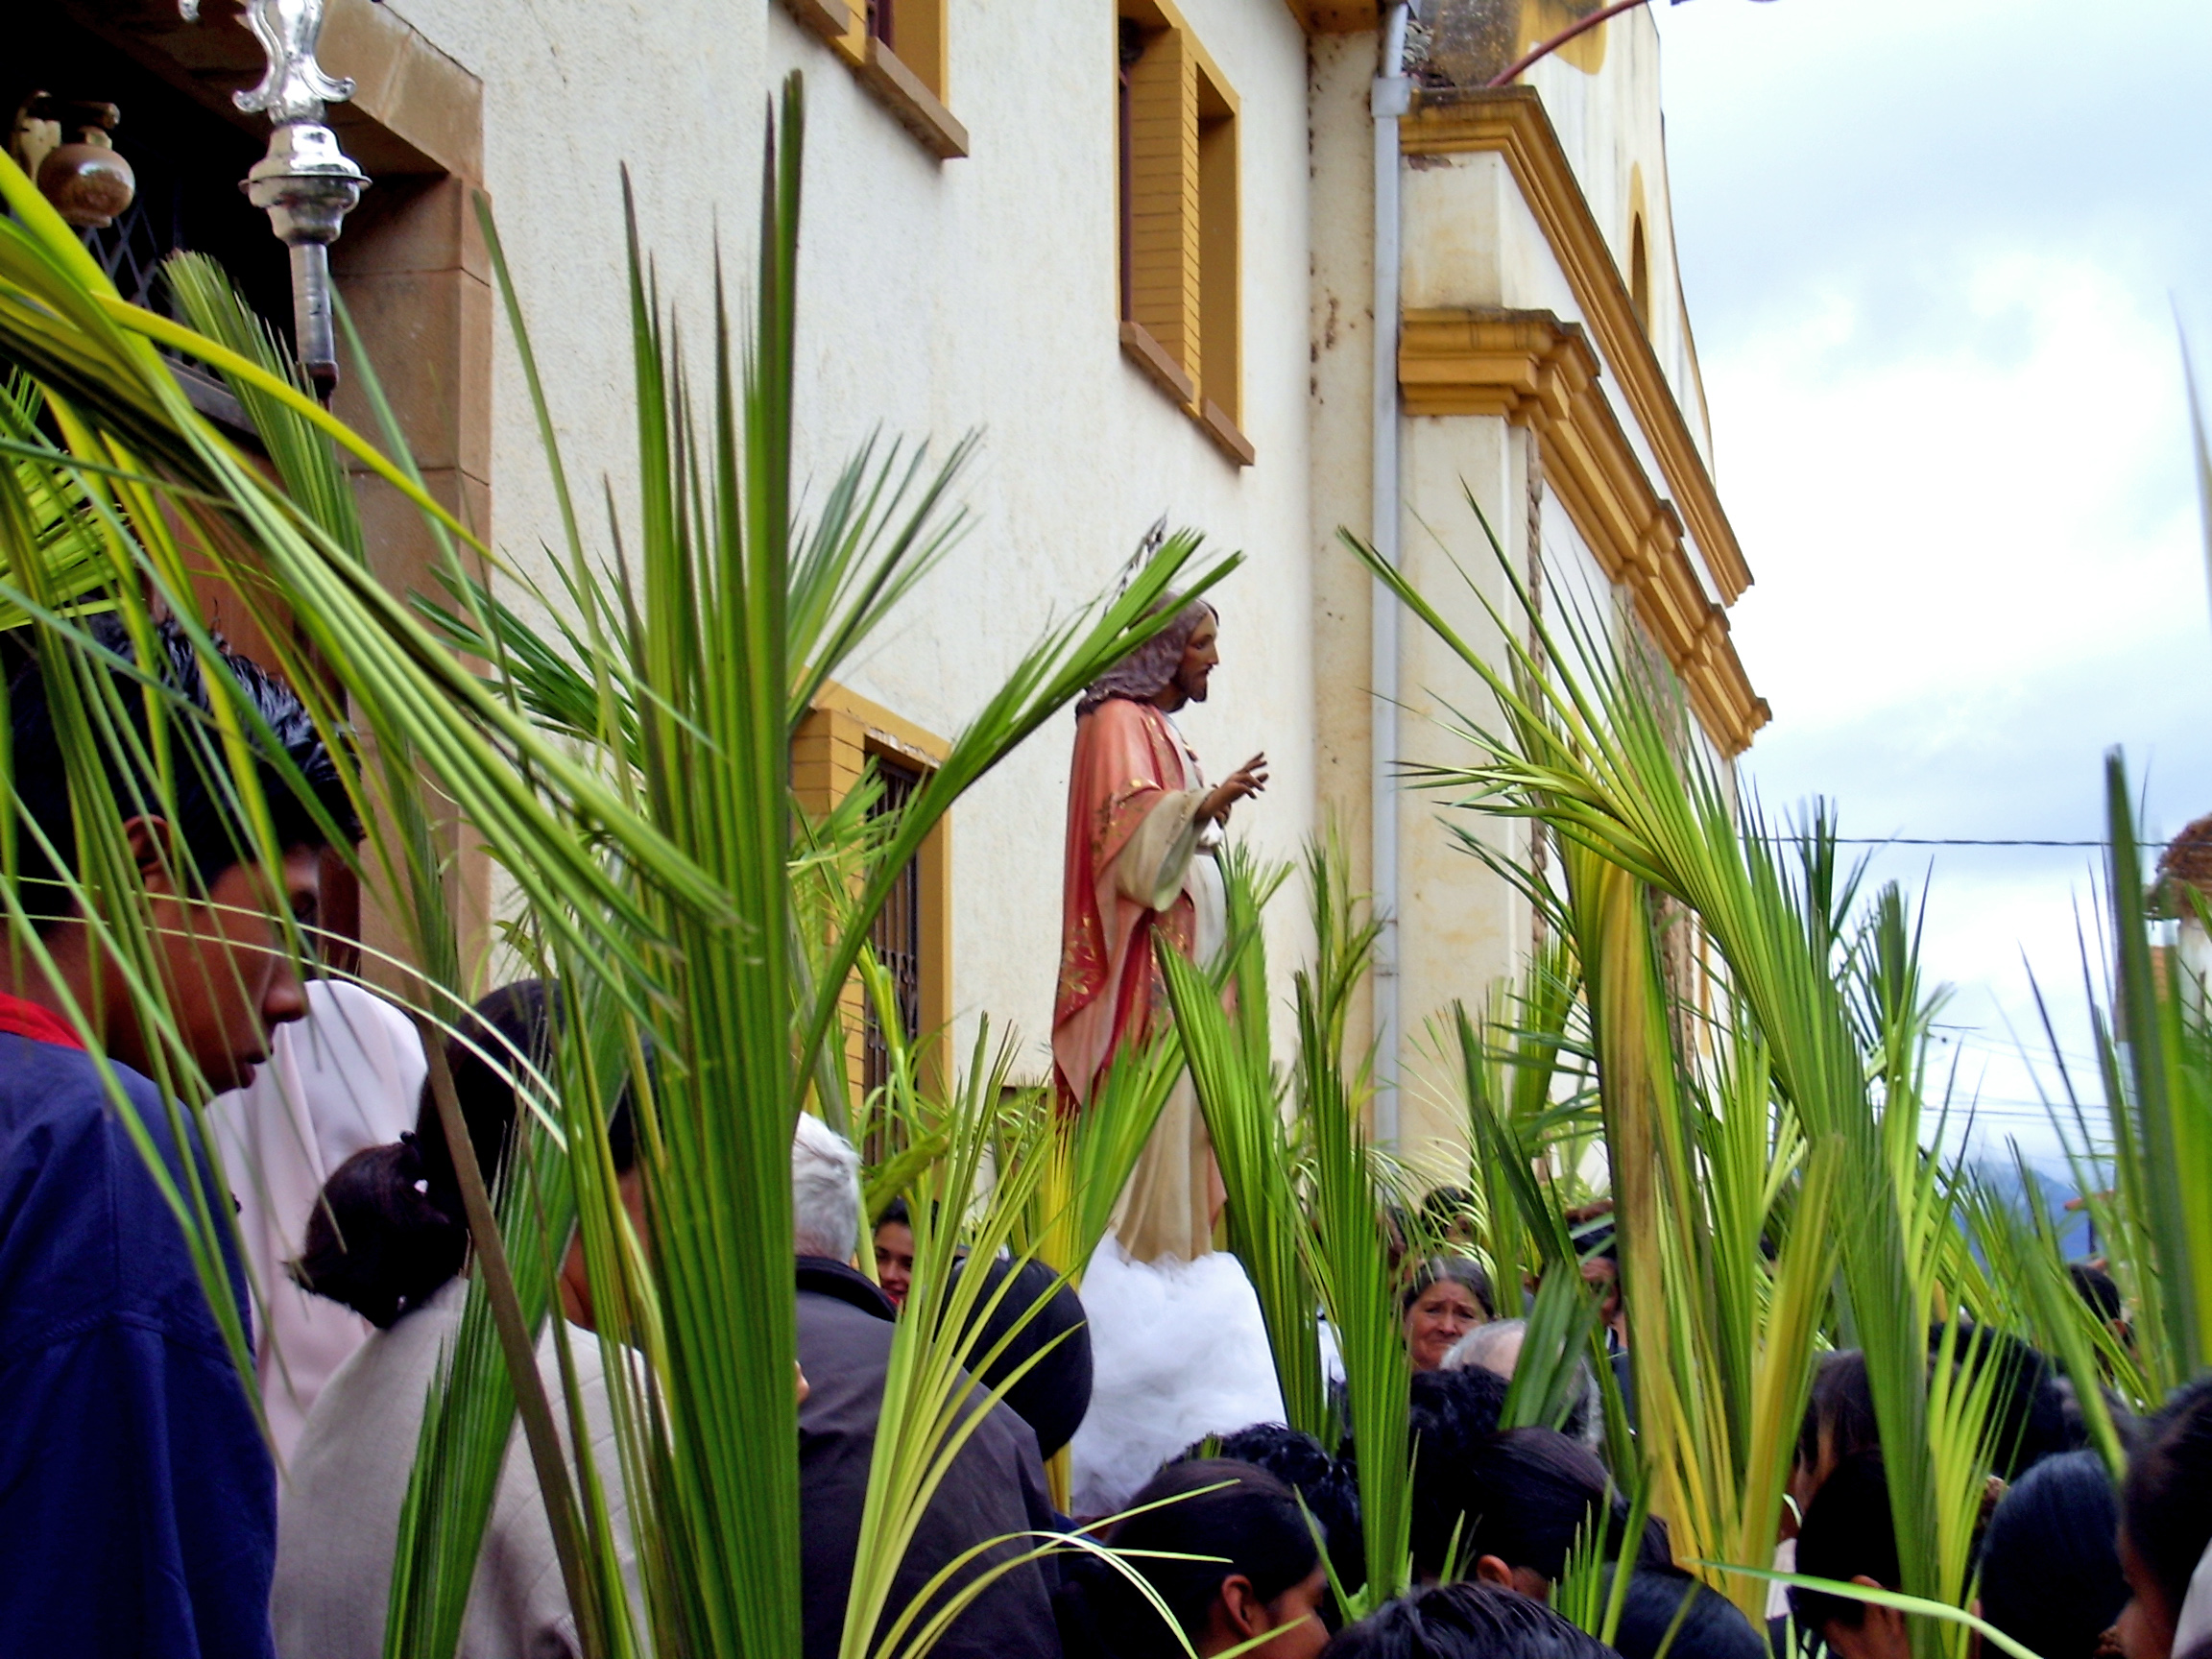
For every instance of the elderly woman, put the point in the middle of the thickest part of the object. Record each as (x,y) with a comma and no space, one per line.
(1445,1297)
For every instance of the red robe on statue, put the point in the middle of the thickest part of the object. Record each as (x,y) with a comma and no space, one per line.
(1137,864)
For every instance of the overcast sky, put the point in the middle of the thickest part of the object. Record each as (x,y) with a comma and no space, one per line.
(1933,251)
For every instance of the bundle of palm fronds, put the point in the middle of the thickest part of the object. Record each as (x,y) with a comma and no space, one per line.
(627,775)
(1762,1111)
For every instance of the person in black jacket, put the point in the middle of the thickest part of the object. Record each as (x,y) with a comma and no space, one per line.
(995,1488)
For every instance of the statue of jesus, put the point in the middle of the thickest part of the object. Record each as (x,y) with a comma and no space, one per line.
(1143,830)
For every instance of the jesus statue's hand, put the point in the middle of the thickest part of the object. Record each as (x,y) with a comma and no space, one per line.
(1249,778)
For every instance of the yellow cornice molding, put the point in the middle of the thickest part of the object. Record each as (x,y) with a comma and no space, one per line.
(1336,17)
(1512,121)
(1535,371)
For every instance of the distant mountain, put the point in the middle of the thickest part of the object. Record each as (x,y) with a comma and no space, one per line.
(2057,1188)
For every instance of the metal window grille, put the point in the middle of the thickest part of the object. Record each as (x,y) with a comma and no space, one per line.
(895,937)
(132,248)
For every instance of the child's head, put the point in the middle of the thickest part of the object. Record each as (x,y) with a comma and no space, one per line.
(1848,1537)
(1226,1549)
(1465,1621)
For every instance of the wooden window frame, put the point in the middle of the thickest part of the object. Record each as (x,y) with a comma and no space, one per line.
(1180,235)
(841,734)
(899,50)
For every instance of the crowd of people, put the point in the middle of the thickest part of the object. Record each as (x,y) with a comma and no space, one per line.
(140,1499)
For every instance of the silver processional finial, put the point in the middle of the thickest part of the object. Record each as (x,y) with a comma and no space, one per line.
(306,183)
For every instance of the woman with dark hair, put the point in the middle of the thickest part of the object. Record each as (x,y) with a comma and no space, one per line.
(895,1252)
(1226,1547)
(1328,1486)
(1445,1297)
(2165,1529)
(389,1241)
(1467,1621)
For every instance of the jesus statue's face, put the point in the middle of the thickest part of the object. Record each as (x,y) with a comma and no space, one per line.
(1199,658)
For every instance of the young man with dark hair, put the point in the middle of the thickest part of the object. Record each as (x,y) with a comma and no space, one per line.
(137,1497)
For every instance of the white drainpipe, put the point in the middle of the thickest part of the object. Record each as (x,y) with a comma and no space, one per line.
(1391,98)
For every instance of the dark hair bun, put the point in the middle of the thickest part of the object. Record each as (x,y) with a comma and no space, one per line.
(382,1240)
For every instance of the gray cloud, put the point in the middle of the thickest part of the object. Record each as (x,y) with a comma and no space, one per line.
(1888,194)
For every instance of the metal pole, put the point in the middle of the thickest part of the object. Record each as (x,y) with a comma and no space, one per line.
(1391,97)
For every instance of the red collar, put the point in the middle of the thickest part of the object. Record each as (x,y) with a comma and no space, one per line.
(21,1019)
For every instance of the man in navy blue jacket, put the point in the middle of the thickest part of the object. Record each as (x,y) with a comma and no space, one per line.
(137,1498)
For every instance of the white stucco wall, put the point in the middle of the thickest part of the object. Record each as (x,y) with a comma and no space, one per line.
(1465,927)
(1341,327)
(935,297)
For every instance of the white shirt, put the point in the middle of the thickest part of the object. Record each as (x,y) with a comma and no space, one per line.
(338,1518)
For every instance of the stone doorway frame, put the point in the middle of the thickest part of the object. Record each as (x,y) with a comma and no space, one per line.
(413,270)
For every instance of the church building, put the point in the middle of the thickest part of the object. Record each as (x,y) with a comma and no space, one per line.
(1269,269)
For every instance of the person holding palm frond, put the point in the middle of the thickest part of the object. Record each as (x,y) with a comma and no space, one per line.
(137,1495)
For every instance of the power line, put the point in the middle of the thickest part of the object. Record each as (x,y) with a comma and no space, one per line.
(1790,838)
(1946,841)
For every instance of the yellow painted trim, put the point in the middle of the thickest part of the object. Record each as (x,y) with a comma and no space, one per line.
(923,47)
(1163,14)
(913,93)
(894,733)
(1209,73)
(1512,121)
(828,759)
(1538,371)
(1638,240)
(1336,17)
(1219,161)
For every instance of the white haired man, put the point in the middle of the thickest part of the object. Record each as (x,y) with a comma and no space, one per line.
(995,1488)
